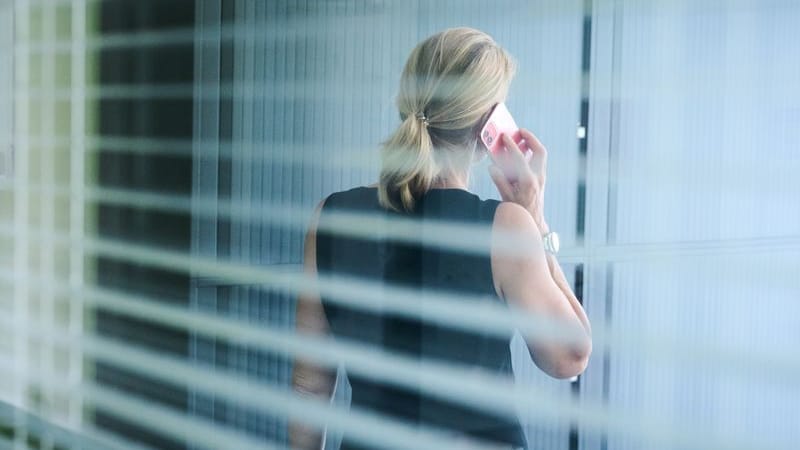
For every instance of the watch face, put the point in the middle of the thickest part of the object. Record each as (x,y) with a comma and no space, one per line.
(551,243)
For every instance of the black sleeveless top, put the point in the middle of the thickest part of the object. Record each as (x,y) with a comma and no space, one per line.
(432,269)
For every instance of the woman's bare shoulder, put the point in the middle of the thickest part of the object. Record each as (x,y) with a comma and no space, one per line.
(512,216)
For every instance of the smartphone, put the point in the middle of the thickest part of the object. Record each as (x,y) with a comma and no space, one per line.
(500,122)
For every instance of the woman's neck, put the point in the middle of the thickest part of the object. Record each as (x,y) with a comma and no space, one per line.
(456,166)
(453,182)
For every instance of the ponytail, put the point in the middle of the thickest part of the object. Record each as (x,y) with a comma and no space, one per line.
(408,166)
(454,78)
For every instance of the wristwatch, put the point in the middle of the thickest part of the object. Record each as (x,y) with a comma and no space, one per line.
(551,244)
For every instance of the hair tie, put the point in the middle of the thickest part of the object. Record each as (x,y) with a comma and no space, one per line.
(421,116)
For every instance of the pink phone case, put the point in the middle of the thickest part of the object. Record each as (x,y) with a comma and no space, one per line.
(500,122)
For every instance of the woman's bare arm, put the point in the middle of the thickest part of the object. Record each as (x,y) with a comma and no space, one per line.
(527,280)
(532,279)
(561,280)
(307,377)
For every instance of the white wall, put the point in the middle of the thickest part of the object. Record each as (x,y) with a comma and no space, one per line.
(705,164)
(692,226)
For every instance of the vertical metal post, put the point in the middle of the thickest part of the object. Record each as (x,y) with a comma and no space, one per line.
(205,171)
(76,218)
(597,273)
(22,19)
(46,150)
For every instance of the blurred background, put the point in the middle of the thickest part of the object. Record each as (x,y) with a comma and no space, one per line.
(160,159)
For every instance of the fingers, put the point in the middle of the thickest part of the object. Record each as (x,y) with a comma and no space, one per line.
(513,150)
(538,158)
(507,159)
(502,183)
(510,159)
(532,141)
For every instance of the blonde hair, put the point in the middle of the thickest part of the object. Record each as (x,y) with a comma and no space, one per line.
(449,85)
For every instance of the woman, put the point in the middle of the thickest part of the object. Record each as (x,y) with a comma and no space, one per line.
(450,84)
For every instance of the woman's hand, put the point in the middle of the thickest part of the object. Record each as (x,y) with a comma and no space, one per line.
(521,180)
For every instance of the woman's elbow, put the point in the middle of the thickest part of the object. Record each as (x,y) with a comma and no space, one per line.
(573,363)
(571,367)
